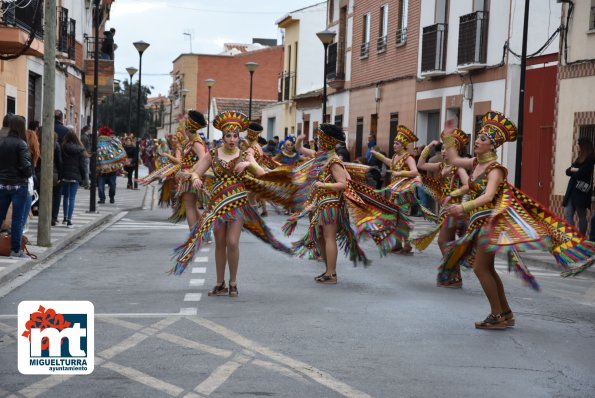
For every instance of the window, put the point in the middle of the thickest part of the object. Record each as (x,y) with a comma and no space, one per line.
(381,45)
(359,136)
(339,121)
(588,131)
(293,92)
(365,37)
(11,105)
(331,11)
(592,16)
(481,5)
(394,122)
(402,22)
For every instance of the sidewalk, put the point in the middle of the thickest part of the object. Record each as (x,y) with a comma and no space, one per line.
(83,222)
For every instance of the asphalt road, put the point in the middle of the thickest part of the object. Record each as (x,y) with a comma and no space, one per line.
(383,331)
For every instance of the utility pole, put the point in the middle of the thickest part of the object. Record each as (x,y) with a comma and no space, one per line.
(521,117)
(93,163)
(44,237)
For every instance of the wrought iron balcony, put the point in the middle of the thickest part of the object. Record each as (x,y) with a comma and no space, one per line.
(28,18)
(381,44)
(284,91)
(401,37)
(364,50)
(433,52)
(473,40)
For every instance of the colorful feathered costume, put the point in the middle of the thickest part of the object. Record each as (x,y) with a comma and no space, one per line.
(111,155)
(228,201)
(513,222)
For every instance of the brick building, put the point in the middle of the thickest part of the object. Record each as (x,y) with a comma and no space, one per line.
(384,55)
(232,79)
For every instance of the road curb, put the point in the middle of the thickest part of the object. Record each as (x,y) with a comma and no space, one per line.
(13,271)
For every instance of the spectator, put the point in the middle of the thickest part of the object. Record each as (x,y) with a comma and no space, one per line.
(270,148)
(132,159)
(436,158)
(87,143)
(342,152)
(57,181)
(15,170)
(107,46)
(73,172)
(33,144)
(375,173)
(5,125)
(59,127)
(276,140)
(580,186)
(371,145)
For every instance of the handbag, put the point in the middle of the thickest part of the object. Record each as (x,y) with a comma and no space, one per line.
(5,246)
(583,186)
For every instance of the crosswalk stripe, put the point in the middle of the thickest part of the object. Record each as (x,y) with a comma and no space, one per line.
(192,296)
(199,270)
(197,282)
(201,259)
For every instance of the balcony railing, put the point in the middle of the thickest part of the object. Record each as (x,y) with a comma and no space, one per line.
(381,44)
(364,50)
(330,69)
(62,42)
(91,48)
(473,38)
(433,53)
(285,86)
(401,37)
(22,17)
(71,40)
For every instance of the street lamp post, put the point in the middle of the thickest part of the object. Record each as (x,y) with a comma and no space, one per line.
(326,37)
(251,66)
(131,72)
(93,160)
(184,92)
(210,83)
(171,105)
(140,46)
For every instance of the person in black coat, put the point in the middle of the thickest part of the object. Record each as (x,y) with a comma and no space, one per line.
(15,169)
(580,187)
(73,173)
(131,160)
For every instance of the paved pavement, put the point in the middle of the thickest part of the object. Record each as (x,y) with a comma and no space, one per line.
(83,223)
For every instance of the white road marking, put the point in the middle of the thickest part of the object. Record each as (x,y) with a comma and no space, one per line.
(201,259)
(199,270)
(122,346)
(188,311)
(279,369)
(197,282)
(144,378)
(192,296)
(172,338)
(220,375)
(205,249)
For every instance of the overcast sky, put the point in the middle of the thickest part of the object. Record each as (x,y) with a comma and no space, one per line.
(162,23)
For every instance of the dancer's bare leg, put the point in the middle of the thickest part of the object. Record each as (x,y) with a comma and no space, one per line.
(234,229)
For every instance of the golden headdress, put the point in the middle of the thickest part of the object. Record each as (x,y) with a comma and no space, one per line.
(231,122)
(456,138)
(405,136)
(498,128)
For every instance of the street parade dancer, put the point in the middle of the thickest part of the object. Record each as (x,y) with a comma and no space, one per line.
(502,217)
(111,157)
(404,182)
(228,210)
(446,189)
(287,154)
(186,200)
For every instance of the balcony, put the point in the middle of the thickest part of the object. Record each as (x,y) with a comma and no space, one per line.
(105,70)
(285,87)
(381,44)
(335,76)
(364,50)
(16,26)
(433,52)
(401,37)
(473,40)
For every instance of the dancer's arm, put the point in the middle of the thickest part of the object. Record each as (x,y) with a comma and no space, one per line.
(199,169)
(198,149)
(251,165)
(301,149)
(340,175)
(422,162)
(495,178)
(413,172)
(456,160)
(387,161)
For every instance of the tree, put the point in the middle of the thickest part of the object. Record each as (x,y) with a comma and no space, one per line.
(113,109)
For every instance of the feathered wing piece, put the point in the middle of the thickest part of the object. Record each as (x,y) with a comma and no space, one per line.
(376,217)
(519,223)
(357,172)
(166,171)
(275,186)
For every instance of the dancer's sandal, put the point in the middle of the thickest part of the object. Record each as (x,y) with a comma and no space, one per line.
(233,290)
(407,251)
(324,278)
(509,316)
(219,290)
(492,322)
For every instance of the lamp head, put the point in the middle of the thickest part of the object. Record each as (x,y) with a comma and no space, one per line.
(131,71)
(141,46)
(326,36)
(251,66)
(210,82)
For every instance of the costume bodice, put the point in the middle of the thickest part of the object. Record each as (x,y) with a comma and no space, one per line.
(478,185)
(225,169)
(449,182)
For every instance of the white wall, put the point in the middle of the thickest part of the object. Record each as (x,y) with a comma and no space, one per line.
(275,111)
(581,41)
(310,49)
